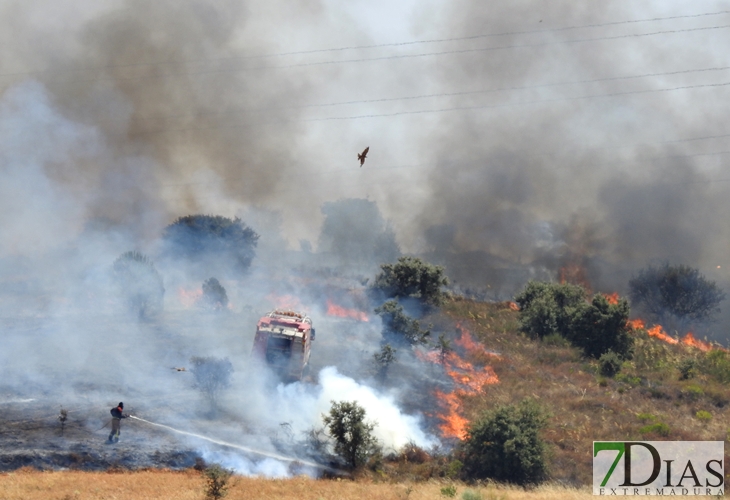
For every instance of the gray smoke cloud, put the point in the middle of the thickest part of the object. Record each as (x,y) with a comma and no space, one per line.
(503,157)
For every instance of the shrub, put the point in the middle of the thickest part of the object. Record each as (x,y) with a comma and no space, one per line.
(505,445)
(354,440)
(546,308)
(471,495)
(196,237)
(412,277)
(716,363)
(646,417)
(212,375)
(704,416)
(216,482)
(383,359)
(448,491)
(675,293)
(659,428)
(600,327)
(214,295)
(139,284)
(610,364)
(398,327)
(687,369)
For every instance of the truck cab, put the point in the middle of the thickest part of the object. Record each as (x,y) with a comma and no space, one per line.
(284,342)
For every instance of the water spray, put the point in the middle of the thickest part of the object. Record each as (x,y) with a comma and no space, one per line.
(239,447)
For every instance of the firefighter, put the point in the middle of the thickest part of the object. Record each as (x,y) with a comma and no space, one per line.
(117,416)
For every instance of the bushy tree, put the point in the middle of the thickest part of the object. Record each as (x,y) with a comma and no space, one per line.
(216,482)
(600,327)
(353,436)
(505,445)
(398,327)
(196,237)
(676,295)
(547,308)
(412,277)
(212,375)
(214,295)
(139,284)
(610,364)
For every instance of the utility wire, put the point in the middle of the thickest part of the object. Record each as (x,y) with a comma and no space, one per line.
(385,58)
(381,45)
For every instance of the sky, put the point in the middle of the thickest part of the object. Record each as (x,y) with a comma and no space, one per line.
(528,132)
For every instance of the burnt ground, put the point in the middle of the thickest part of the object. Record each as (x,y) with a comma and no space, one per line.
(143,375)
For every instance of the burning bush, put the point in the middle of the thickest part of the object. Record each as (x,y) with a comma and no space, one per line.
(214,295)
(398,327)
(675,295)
(139,284)
(505,445)
(354,440)
(412,277)
(203,237)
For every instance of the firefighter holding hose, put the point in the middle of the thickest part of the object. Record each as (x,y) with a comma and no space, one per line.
(117,416)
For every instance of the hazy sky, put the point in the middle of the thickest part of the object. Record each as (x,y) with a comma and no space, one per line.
(521,128)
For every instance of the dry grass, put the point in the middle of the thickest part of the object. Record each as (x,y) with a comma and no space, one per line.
(585,406)
(28,484)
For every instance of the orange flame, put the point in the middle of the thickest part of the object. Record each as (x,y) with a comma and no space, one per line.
(658,332)
(636,324)
(690,340)
(188,298)
(341,312)
(612,298)
(514,306)
(468,380)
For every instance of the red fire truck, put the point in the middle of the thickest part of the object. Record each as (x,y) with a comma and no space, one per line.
(284,341)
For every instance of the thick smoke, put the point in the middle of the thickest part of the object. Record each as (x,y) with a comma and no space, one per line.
(538,149)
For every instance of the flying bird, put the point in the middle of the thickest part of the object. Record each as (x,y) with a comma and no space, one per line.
(363,155)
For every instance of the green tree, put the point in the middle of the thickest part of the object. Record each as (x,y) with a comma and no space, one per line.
(353,436)
(412,277)
(212,375)
(505,445)
(600,327)
(139,284)
(216,482)
(398,327)
(675,296)
(547,308)
(444,347)
(610,364)
(208,237)
(214,295)
(383,359)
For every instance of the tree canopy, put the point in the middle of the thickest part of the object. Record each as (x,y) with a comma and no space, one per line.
(196,237)
(678,294)
(505,445)
(412,277)
(354,440)
(398,327)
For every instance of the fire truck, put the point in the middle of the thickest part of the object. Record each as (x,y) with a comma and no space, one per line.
(284,341)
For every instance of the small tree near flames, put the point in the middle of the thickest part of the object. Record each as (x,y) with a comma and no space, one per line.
(600,327)
(139,284)
(675,296)
(354,440)
(505,445)
(212,375)
(383,359)
(547,308)
(412,277)
(214,295)
(398,327)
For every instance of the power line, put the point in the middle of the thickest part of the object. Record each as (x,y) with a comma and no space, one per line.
(392,57)
(381,45)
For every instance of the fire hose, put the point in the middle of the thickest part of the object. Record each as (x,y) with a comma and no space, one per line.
(239,447)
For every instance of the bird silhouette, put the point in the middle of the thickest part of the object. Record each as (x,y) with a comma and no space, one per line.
(363,155)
